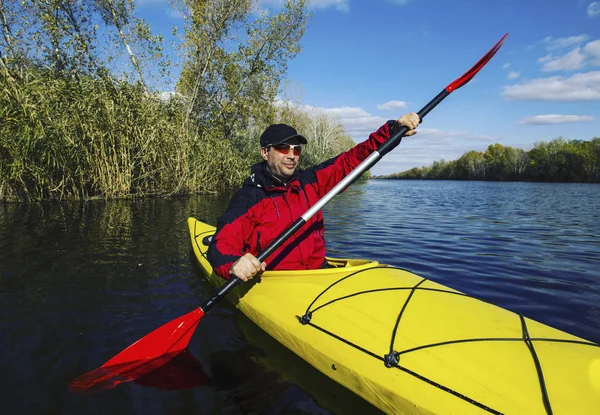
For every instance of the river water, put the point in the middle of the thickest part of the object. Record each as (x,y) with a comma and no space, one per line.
(81,281)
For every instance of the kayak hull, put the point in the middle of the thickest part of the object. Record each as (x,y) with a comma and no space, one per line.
(411,346)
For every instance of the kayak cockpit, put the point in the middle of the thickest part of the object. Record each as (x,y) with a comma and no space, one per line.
(337,266)
(348,263)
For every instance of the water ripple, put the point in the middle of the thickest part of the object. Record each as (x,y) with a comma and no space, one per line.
(533,248)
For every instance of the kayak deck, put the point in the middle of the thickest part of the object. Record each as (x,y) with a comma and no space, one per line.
(410,345)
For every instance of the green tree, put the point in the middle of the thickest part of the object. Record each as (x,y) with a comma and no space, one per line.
(590,159)
(79,37)
(235,62)
(471,166)
(516,161)
(436,169)
(10,49)
(135,35)
(557,160)
(495,162)
(547,160)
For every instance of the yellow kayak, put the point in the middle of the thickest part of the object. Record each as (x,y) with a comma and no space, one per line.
(411,346)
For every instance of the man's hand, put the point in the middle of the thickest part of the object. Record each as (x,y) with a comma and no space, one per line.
(246,267)
(411,121)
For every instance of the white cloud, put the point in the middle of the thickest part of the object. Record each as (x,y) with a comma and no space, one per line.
(545,59)
(580,57)
(592,50)
(400,2)
(391,105)
(423,149)
(551,43)
(434,134)
(430,145)
(513,75)
(555,119)
(593,9)
(571,61)
(579,87)
(506,65)
(357,122)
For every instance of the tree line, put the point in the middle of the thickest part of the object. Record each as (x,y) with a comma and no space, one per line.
(83,113)
(558,160)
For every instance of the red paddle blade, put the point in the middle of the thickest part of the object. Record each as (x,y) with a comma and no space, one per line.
(145,355)
(467,76)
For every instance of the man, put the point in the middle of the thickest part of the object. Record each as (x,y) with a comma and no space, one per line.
(276,194)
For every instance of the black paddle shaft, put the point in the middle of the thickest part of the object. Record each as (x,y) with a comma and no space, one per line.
(382,150)
(369,162)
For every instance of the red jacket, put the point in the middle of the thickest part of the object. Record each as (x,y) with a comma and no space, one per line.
(263,208)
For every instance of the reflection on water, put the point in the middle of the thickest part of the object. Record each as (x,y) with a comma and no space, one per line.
(184,371)
(79,282)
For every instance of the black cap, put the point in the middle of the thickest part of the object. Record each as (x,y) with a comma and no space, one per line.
(278,133)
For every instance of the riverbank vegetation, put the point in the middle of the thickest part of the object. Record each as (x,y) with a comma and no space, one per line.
(83,108)
(558,160)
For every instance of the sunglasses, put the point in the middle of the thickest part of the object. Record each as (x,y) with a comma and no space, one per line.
(285,148)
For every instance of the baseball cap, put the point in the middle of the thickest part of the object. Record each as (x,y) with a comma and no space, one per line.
(278,133)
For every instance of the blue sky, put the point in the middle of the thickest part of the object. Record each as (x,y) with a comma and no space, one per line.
(369,61)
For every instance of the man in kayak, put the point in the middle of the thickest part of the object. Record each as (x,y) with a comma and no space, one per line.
(276,194)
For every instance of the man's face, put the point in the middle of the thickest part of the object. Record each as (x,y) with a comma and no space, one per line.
(282,160)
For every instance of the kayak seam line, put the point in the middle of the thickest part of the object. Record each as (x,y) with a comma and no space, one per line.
(538,366)
(450,391)
(410,372)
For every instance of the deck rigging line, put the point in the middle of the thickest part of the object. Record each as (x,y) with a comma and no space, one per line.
(393,358)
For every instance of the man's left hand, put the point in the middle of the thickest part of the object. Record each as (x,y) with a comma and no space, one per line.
(411,121)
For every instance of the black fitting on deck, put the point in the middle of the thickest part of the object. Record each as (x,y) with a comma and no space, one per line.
(306,318)
(391,359)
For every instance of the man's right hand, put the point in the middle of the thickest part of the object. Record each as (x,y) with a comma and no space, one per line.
(246,267)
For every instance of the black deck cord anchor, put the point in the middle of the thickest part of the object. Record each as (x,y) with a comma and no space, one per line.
(305,319)
(391,359)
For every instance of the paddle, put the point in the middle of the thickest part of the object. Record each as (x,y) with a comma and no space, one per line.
(166,342)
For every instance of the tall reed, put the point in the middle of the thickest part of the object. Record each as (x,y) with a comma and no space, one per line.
(65,137)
